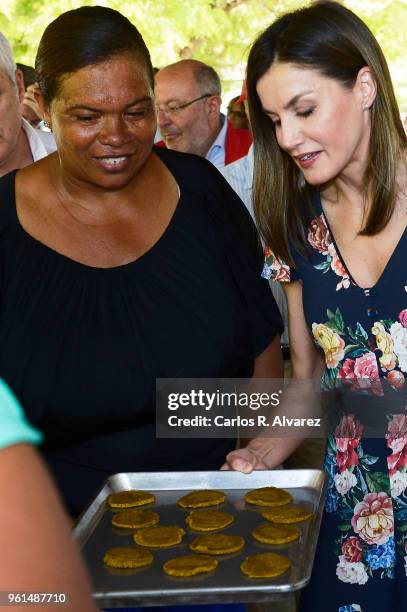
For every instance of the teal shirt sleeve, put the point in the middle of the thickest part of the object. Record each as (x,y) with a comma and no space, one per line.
(14,427)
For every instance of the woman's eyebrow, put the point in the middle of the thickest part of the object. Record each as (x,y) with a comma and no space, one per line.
(295,99)
(96,108)
(290,103)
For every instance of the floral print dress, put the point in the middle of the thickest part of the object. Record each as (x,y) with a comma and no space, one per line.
(361,560)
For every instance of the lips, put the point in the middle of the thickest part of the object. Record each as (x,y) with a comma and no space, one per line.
(114,160)
(113,163)
(170,135)
(306,160)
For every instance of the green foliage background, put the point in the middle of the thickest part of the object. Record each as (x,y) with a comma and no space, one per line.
(218,32)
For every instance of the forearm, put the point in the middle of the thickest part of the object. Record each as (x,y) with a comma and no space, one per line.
(41,554)
(270,364)
(299,413)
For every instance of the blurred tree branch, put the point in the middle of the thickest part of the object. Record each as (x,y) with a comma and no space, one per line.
(218,32)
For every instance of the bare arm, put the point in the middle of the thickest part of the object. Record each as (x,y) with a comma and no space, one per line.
(267,453)
(307,362)
(38,553)
(269,364)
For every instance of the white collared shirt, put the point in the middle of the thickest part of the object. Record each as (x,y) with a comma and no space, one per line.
(216,153)
(41,143)
(239,175)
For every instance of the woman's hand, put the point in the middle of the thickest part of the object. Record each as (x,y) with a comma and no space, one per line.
(261,454)
(243,460)
(268,453)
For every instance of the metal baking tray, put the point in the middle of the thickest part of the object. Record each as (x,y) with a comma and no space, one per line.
(151,587)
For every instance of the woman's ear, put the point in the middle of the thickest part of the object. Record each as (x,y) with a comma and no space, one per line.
(367,87)
(41,103)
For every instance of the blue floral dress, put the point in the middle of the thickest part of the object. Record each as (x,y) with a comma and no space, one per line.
(361,560)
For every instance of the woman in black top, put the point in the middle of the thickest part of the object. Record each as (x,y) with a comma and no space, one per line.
(120,264)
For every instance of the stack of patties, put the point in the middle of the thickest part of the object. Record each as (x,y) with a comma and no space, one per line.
(281,513)
(213,544)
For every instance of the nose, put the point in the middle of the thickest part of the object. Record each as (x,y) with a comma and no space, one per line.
(289,135)
(163,117)
(114,131)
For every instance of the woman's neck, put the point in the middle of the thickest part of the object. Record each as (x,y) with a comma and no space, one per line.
(348,189)
(94,205)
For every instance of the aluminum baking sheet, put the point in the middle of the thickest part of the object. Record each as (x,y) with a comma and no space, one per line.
(150,587)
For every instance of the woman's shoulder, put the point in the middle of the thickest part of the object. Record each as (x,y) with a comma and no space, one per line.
(203,182)
(305,233)
(187,167)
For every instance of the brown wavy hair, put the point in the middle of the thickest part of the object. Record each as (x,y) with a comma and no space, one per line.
(331,39)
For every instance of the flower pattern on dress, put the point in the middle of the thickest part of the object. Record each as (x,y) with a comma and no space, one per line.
(352,549)
(347,437)
(382,556)
(384,343)
(369,502)
(354,573)
(330,342)
(403,317)
(363,501)
(344,481)
(350,353)
(274,269)
(320,239)
(398,333)
(373,518)
(396,439)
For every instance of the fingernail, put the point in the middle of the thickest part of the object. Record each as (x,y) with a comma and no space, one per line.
(240,465)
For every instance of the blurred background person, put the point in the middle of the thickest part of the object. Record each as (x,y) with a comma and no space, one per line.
(30,109)
(20,143)
(188,101)
(236,114)
(29,74)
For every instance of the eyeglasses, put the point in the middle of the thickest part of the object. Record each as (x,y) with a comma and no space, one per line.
(174,109)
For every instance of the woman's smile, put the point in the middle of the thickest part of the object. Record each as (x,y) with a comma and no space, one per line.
(104,126)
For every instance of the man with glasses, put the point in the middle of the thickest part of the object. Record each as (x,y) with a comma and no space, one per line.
(188,100)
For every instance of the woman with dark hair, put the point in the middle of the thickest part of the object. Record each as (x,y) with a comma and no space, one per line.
(121,264)
(330,197)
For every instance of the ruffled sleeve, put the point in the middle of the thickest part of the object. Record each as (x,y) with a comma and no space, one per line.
(276,270)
